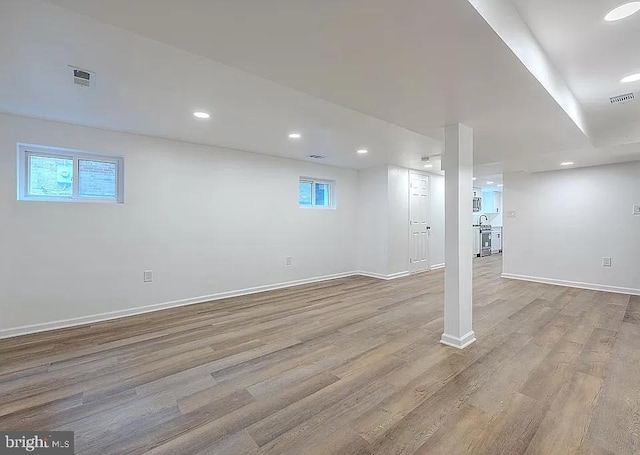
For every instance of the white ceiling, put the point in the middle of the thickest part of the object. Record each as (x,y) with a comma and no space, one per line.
(592,55)
(146,87)
(346,73)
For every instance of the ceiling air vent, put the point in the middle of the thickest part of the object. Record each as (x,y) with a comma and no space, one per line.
(83,78)
(622,98)
(316,157)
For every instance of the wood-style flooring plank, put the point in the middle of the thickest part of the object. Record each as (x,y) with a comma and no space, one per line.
(616,421)
(348,366)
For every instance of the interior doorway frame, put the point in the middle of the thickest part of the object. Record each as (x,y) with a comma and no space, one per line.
(409,223)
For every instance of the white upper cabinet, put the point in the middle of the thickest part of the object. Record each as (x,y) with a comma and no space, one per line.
(491,202)
(497,201)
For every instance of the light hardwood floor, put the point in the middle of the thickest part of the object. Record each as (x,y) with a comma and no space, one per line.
(351,366)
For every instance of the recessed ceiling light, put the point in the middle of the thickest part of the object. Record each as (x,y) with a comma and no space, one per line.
(489,183)
(622,11)
(567,163)
(202,115)
(632,78)
(500,185)
(475,178)
(363,151)
(295,135)
(428,165)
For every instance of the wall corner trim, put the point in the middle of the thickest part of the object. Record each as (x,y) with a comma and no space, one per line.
(573,284)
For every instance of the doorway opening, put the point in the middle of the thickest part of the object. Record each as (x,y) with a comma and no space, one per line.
(419,222)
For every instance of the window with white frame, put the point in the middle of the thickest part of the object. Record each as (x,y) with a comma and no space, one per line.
(57,174)
(314,193)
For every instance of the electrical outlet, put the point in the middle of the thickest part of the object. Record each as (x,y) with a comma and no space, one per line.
(289,260)
(148,276)
(606,262)
(636,209)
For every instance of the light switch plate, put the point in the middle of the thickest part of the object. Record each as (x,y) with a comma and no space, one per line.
(636,209)
(148,276)
(511,214)
(606,262)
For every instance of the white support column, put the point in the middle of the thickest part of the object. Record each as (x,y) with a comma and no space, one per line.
(458,275)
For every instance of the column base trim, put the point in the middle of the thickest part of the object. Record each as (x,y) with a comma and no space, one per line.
(458,342)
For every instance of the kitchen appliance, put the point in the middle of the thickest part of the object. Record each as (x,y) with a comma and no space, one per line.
(485,240)
(477,204)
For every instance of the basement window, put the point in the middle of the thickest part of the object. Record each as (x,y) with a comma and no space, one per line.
(314,193)
(64,175)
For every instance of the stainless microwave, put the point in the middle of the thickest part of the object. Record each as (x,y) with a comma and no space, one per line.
(477,204)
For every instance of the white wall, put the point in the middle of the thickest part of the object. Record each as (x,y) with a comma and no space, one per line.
(567,221)
(205,220)
(398,220)
(436,235)
(383,221)
(372,226)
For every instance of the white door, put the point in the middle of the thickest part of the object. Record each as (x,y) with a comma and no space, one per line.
(418,222)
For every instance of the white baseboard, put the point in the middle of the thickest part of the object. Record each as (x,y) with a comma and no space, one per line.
(458,342)
(100,317)
(573,284)
(381,276)
(393,276)
(90,319)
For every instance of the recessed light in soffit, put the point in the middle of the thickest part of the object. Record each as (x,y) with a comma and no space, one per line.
(631,78)
(622,11)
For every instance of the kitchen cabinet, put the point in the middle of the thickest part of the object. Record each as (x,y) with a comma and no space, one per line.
(476,241)
(497,201)
(491,202)
(496,240)
(477,200)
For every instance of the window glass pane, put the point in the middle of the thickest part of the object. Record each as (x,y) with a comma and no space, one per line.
(305,189)
(97,179)
(322,194)
(50,176)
